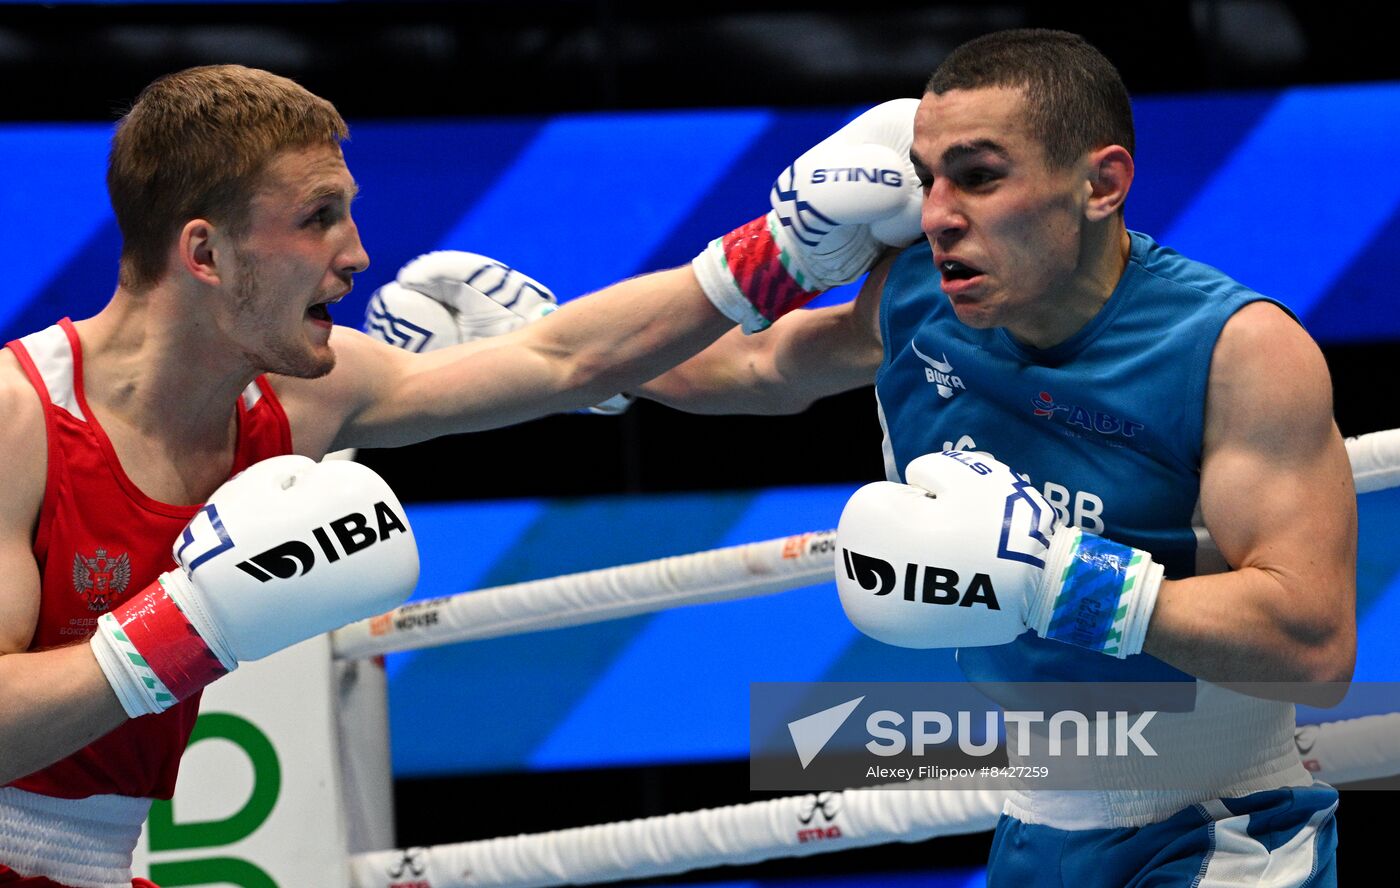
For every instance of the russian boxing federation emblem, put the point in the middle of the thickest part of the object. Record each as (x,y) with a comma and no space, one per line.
(940,373)
(101,578)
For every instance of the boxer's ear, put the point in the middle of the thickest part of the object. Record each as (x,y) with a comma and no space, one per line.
(1110,176)
(201,251)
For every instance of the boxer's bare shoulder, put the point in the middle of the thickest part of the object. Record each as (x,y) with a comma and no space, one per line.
(319,409)
(24,443)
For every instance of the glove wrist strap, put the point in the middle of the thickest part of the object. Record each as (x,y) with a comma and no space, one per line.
(152,654)
(750,279)
(137,688)
(1096,594)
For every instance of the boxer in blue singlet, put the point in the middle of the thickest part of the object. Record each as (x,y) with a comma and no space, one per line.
(1137,390)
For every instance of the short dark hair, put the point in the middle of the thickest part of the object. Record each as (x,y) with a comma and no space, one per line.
(195,144)
(1076,99)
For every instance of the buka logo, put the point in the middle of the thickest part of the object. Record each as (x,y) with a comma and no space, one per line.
(940,373)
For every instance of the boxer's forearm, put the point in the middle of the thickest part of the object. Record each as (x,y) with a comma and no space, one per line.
(781,370)
(587,351)
(55,703)
(805,356)
(1251,625)
(584,353)
(632,331)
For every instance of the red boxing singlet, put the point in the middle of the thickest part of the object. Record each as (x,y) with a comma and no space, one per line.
(99,541)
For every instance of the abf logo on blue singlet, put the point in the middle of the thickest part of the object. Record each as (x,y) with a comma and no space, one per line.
(1100,421)
(940,373)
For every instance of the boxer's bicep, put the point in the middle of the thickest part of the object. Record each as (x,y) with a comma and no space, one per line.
(322,411)
(381,396)
(55,701)
(19,594)
(1276,487)
(23,440)
(1275,481)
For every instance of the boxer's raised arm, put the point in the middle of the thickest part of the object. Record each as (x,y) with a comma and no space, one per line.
(585,352)
(806,355)
(226,601)
(835,209)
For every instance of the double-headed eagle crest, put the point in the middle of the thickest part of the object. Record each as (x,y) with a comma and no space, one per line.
(100,579)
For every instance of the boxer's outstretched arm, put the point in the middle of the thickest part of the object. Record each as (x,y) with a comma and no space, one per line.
(805,356)
(1277,496)
(587,351)
(821,231)
(56,701)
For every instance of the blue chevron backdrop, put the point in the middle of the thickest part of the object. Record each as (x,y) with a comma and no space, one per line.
(1296,193)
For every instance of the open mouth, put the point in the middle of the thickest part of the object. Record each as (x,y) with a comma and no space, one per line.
(953,270)
(321,311)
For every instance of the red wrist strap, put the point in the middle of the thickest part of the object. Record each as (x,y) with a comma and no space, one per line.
(756,263)
(171,647)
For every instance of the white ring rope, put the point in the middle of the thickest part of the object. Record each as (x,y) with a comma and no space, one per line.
(745,571)
(796,826)
(787,827)
(736,572)
(1338,752)
(1375,460)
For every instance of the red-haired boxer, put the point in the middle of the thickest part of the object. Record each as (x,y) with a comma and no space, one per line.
(215,352)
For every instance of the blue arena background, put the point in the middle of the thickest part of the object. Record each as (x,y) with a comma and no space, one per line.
(1294,192)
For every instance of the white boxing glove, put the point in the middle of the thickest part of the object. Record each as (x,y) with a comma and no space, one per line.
(449,296)
(835,209)
(968,555)
(288,549)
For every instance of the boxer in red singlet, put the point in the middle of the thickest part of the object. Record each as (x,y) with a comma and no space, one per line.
(216,352)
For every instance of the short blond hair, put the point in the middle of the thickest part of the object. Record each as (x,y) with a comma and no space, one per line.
(194,145)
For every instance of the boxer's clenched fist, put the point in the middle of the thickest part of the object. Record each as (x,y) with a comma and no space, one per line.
(834,210)
(450,296)
(967,554)
(288,549)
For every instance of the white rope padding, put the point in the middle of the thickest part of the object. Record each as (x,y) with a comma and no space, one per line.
(1338,752)
(745,571)
(1375,460)
(736,572)
(788,827)
(796,826)
(1366,748)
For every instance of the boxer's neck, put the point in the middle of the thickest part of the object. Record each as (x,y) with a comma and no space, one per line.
(161,374)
